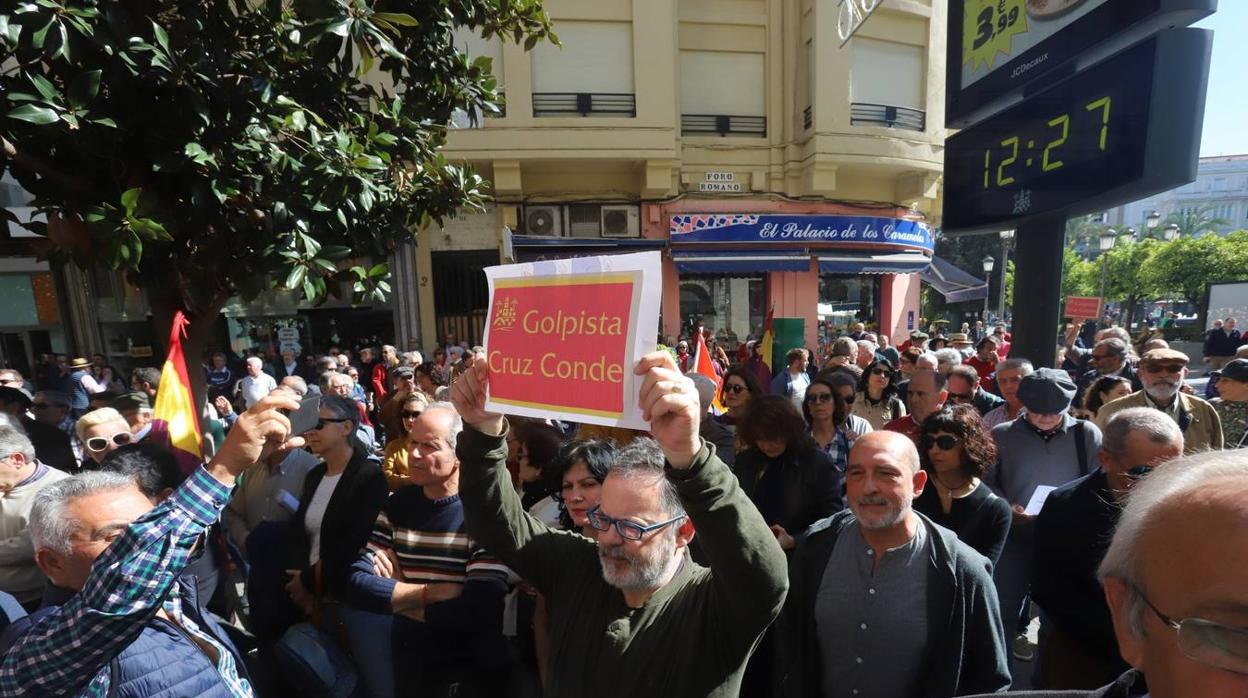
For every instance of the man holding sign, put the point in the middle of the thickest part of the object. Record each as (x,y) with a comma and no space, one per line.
(632,615)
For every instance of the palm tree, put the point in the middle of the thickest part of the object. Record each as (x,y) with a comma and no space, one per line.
(1194,221)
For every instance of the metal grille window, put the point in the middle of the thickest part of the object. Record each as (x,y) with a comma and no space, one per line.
(887,84)
(591,75)
(722,93)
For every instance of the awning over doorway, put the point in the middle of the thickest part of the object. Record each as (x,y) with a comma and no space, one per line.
(953,283)
(886,263)
(536,248)
(740,262)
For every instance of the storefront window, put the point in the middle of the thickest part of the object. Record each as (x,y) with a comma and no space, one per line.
(844,300)
(730,306)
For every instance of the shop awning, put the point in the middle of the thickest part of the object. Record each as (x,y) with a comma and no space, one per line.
(740,262)
(886,263)
(953,283)
(536,248)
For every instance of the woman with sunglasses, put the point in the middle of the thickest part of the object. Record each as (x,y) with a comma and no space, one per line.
(394,463)
(101,432)
(825,411)
(740,386)
(791,480)
(878,389)
(956,450)
(338,507)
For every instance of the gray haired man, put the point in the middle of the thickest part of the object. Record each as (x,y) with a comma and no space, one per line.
(1178,595)
(21,479)
(1072,532)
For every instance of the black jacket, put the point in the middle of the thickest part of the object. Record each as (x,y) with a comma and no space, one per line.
(52,445)
(1129,684)
(967,650)
(348,521)
(1089,377)
(809,490)
(1072,534)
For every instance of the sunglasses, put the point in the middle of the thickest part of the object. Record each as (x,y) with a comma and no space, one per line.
(849,399)
(819,398)
(40,406)
(734,388)
(1165,368)
(408,414)
(959,397)
(945,442)
(881,372)
(99,443)
(320,423)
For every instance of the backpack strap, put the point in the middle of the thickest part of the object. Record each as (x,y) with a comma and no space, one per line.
(1081,448)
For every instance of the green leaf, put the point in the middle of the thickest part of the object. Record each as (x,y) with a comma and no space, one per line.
(161,37)
(379,270)
(309,289)
(34,114)
(295,278)
(369,162)
(41,35)
(130,200)
(326,265)
(341,27)
(46,88)
(105,121)
(403,20)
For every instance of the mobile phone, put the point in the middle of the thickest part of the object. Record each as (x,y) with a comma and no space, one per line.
(305,418)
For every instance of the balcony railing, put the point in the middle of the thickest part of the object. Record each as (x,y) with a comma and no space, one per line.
(723,125)
(584,104)
(886,115)
(808,118)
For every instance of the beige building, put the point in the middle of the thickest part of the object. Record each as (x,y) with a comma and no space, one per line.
(695,127)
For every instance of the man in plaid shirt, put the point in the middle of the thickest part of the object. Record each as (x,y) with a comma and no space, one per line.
(117,561)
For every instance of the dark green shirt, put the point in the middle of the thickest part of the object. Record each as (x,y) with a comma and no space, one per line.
(690,639)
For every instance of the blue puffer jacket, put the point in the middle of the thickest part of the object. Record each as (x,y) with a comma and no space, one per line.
(163,661)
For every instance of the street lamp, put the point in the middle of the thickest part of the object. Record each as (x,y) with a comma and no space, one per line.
(988,263)
(1108,238)
(1131,232)
(1153,220)
(1006,236)
(1171,232)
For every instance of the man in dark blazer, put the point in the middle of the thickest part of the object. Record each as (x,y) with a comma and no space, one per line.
(1176,582)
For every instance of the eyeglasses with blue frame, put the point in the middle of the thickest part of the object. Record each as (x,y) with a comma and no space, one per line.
(628,530)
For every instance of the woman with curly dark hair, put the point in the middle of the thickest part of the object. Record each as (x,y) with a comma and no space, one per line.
(792,481)
(740,386)
(878,388)
(580,468)
(956,450)
(1103,390)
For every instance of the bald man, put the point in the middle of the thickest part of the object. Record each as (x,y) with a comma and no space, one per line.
(909,610)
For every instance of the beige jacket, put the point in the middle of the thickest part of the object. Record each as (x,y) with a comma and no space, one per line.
(1204,428)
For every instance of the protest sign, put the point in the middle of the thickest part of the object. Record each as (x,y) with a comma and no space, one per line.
(562,337)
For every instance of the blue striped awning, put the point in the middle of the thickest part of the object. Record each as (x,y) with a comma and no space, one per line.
(886,263)
(740,262)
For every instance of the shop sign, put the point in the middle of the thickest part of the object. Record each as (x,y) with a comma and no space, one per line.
(810,229)
(288,334)
(137,352)
(720,182)
(562,336)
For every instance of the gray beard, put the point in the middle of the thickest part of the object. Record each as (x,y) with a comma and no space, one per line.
(643,573)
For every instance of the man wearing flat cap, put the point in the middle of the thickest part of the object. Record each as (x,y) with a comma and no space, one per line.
(1044,447)
(1162,372)
(137,409)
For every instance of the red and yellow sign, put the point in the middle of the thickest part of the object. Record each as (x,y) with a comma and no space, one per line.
(564,344)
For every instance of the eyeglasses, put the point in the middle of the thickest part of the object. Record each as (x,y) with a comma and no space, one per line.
(320,423)
(881,372)
(849,399)
(100,443)
(40,406)
(1164,368)
(944,442)
(960,397)
(1213,644)
(408,414)
(734,388)
(627,529)
(1138,472)
(819,397)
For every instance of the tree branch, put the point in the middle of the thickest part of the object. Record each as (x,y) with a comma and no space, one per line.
(44,169)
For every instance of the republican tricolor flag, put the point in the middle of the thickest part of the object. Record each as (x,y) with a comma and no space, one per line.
(175,414)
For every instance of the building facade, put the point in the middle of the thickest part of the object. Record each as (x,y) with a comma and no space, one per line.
(1221,188)
(658,115)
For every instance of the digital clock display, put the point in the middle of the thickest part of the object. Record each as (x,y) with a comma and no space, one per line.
(1079,140)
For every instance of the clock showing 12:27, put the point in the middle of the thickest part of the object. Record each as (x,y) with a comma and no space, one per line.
(1085,136)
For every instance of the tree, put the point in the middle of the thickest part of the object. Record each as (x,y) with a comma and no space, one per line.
(1194,221)
(1124,277)
(223,147)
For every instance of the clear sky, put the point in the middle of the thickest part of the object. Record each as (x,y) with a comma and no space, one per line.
(1226,108)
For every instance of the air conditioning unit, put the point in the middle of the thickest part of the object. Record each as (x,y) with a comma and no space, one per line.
(621,222)
(584,220)
(543,220)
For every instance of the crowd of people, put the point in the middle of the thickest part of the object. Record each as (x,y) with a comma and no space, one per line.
(862,520)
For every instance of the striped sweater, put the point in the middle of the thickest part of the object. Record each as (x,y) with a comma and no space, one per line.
(430,542)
